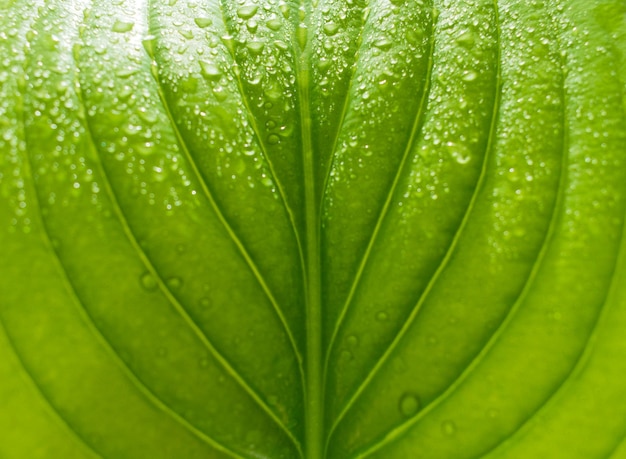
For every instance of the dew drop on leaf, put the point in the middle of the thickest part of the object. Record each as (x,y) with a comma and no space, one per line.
(229,42)
(383,43)
(186,33)
(409,404)
(448,428)
(247,11)
(255,47)
(210,70)
(273,24)
(219,93)
(302,36)
(148,45)
(122,26)
(203,22)
(174,282)
(466,38)
(148,282)
(331,28)
(252,25)
(382,316)
(470,76)
(284,9)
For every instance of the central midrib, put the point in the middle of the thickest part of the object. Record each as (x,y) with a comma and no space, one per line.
(313,390)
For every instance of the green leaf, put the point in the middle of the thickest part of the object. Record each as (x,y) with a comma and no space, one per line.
(329,229)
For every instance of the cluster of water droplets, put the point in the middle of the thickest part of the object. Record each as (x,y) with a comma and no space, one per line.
(456,122)
(387,71)
(12,184)
(263,45)
(123,108)
(55,119)
(204,83)
(334,45)
(530,128)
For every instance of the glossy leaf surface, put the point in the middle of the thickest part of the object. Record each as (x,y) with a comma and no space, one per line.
(329,229)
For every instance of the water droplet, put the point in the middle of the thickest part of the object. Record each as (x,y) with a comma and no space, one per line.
(158,174)
(281,45)
(466,38)
(31,34)
(414,35)
(148,116)
(409,405)
(148,44)
(255,47)
(273,24)
(323,64)
(459,152)
(122,26)
(219,93)
(470,76)
(247,11)
(210,70)
(448,428)
(556,315)
(252,25)
(174,282)
(331,28)
(383,43)
(203,22)
(186,33)
(352,340)
(148,282)
(273,139)
(302,36)
(229,42)
(126,72)
(284,9)
(273,93)
(382,316)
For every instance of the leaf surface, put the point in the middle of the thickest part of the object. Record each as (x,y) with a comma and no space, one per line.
(327,229)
